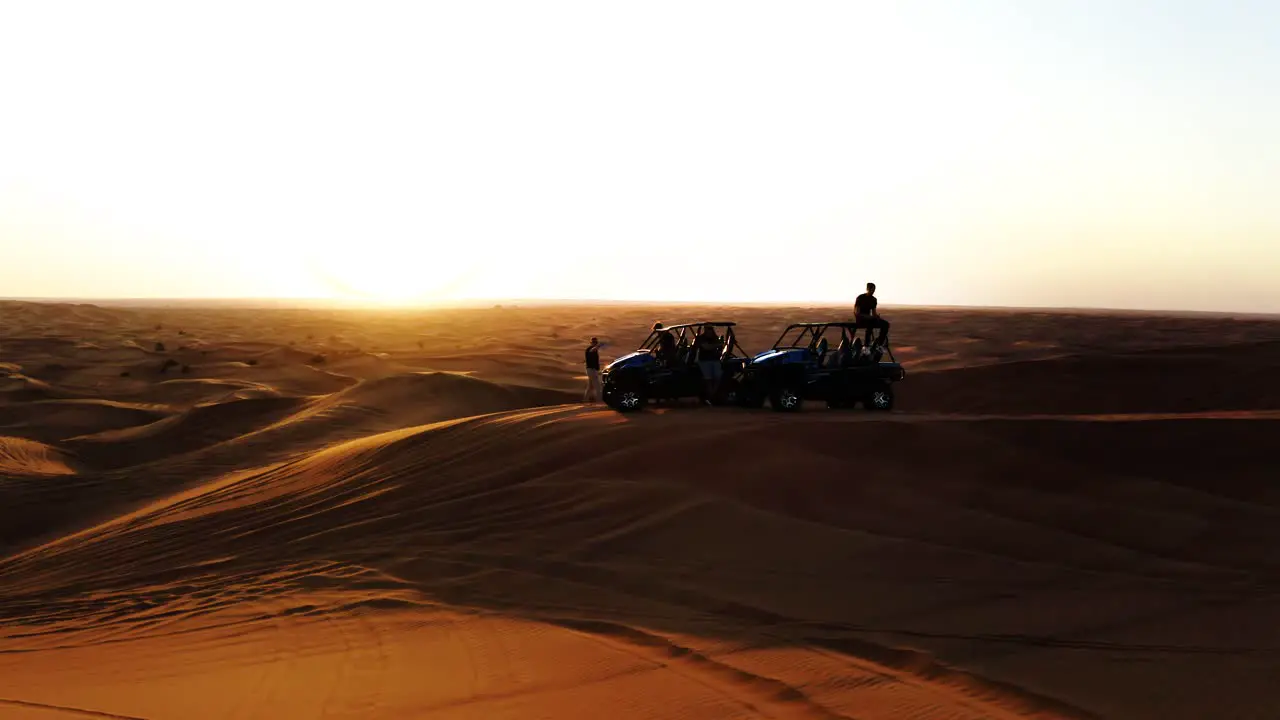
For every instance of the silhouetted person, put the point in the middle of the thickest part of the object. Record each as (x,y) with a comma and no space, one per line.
(867,316)
(844,353)
(707,346)
(665,350)
(593,372)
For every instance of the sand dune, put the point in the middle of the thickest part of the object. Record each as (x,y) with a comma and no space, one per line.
(190,392)
(1191,379)
(1048,529)
(19,456)
(52,420)
(432,396)
(181,432)
(20,388)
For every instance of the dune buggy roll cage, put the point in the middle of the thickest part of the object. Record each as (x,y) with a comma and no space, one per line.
(809,334)
(686,333)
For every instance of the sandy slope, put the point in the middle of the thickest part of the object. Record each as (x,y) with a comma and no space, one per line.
(1073,516)
(20,456)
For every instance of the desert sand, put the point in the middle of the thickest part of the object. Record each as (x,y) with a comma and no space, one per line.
(215,512)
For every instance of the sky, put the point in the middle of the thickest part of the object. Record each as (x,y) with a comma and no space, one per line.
(1084,153)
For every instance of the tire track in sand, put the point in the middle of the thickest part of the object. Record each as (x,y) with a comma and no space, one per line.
(62,709)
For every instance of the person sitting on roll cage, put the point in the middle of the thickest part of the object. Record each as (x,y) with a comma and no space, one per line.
(868,316)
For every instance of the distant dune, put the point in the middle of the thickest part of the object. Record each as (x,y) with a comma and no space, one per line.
(214,512)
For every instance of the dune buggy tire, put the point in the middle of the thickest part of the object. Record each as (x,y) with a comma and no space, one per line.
(786,398)
(625,399)
(879,400)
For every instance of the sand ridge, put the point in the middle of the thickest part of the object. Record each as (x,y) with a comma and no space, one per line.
(327,513)
(19,456)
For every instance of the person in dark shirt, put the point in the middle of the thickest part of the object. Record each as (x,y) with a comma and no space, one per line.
(665,350)
(867,316)
(708,347)
(593,372)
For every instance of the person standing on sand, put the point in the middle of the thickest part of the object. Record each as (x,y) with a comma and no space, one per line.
(707,347)
(593,393)
(867,316)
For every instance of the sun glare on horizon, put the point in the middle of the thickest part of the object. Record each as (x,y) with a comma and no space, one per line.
(984,153)
(386,276)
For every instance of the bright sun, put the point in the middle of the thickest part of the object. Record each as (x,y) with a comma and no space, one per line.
(393,278)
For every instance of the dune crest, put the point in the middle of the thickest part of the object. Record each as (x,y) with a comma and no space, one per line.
(19,456)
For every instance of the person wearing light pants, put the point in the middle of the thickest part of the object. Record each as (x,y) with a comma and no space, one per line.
(593,393)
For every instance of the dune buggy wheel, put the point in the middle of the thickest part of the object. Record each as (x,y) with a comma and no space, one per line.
(628,399)
(625,397)
(880,399)
(786,399)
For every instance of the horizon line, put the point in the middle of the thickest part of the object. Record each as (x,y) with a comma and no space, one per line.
(492,303)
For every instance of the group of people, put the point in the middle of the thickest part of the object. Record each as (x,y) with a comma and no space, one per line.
(709,348)
(708,351)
